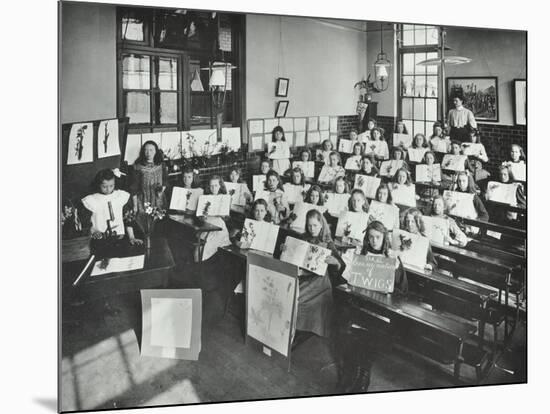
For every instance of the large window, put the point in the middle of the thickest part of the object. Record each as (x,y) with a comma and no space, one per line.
(162,54)
(418,84)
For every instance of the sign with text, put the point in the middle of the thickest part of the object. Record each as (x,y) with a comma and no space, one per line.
(372,272)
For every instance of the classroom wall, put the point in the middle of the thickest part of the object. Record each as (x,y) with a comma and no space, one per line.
(387,100)
(498,53)
(322,62)
(87,62)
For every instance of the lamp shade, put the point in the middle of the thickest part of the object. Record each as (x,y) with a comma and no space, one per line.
(381,71)
(217,78)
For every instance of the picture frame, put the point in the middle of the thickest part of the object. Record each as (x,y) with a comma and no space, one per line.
(483,104)
(520,101)
(282,87)
(282,107)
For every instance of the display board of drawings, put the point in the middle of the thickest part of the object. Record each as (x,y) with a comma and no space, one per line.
(298,132)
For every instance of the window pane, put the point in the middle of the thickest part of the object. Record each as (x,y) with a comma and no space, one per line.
(420,35)
(407,108)
(432,35)
(408,35)
(419,57)
(419,109)
(431,109)
(408,64)
(420,86)
(433,68)
(167,74)
(431,86)
(166,108)
(224,37)
(137,107)
(407,86)
(135,72)
(419,127)
(133,27)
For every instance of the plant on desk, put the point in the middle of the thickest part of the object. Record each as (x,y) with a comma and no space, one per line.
(147,221)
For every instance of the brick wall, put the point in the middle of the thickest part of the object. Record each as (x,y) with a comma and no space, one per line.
(345,124)
(497,140)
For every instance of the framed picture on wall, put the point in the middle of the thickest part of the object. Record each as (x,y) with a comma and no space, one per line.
(282,107)
(282,87)
(520,101)
(480,95)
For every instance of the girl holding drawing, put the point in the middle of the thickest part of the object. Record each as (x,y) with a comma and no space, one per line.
(277,204)
(465,184)
(398,153)
(368,166)
(297,183)
(456,236)
(281,151)
(362,347)
(315,196)
(332,170)
(477,158)
(326,149)
(400,127)
(414,223)
(235,176)
(381,151)
(149,178)
(502,215)
(517,162)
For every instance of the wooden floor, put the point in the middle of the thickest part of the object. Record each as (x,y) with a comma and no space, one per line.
(102,368)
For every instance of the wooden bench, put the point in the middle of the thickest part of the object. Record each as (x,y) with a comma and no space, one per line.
(428,333)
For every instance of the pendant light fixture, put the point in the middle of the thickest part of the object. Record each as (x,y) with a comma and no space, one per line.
(382,66)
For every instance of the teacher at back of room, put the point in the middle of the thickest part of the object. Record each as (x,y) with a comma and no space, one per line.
(461,120)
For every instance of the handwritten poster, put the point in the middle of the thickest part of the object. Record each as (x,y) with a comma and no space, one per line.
(367,184)
(133,147)
(238,192)
(308,167)
(299,124)
(214,205)
(437,229)
(411,248)
(81,144)
(256,126)
(416,154)
(460,204)
(370,272)
(171,144)
(117,265)
(271,297)
(389,168)
(301,210)
(336,203)
(387,214)
(305,255)
(353,163)
(404,195)
(313,137)
(402,140)
(345,146)
(333,124)
(259,235)
(502,193)
(352,224)
(258,182)
(256,142)
(454,162)
(299,138)
(428,173)
(171,323)
(269,125)
(313,123)
(185,198)
(107,139)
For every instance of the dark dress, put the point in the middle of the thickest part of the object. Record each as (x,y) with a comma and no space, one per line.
(315,297)
(146,182)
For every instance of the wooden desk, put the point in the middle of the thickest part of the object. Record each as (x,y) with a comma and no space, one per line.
(512,232)
(156,271)
(197,228)
(427,332)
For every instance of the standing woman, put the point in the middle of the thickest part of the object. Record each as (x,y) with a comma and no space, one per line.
(149,178)
(461,120)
